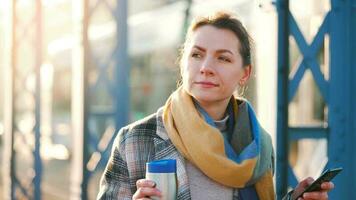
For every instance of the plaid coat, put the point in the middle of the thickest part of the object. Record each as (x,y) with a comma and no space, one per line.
(143,141)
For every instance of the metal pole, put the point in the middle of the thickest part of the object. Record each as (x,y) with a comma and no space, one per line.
(80,175)
(282,101)
(186,19)
(342,63)
(37,129)
(353,98)
(86,103)
(122,68)
(10,63)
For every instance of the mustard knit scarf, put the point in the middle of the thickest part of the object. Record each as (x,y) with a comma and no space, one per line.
(204,146)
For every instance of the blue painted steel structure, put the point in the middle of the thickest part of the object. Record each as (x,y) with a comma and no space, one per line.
(187,17)
(95,142)
(338,93)
(37,129)
(13,91)
(282,100)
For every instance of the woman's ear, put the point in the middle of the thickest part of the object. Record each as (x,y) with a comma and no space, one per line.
(246,75)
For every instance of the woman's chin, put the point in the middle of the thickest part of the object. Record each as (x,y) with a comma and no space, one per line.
(206,97)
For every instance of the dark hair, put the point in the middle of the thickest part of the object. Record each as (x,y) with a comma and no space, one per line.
(224,20)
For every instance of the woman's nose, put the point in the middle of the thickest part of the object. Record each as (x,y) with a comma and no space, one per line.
(207,67)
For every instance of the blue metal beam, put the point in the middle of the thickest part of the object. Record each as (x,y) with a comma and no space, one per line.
(122,67)
(342,74)
(282,101)
(352,129)
(309,57)
(8,161)
(292,179)
(86,101)
(298,133)
(186,21)
(37,129)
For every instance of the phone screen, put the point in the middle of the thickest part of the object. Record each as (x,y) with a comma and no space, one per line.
(325,177)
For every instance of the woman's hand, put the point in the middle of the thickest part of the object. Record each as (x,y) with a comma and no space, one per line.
(145,189)
(317,195)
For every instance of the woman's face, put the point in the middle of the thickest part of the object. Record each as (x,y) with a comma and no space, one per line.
(212,65)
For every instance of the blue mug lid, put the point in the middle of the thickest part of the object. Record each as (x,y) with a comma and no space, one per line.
(162,166)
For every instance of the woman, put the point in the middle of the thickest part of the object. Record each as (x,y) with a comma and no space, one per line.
(221,151)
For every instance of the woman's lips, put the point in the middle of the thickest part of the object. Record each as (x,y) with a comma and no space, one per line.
(206,84)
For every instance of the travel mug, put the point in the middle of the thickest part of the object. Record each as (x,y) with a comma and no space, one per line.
(163,173)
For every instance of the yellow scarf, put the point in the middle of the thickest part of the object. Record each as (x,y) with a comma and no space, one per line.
(203,145)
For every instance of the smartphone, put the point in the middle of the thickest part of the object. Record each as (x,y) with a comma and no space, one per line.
(325,177)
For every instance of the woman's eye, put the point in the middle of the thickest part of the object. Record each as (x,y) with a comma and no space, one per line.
(196,55)
(225,59)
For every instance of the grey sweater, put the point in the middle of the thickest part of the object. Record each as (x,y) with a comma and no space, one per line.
(201,186)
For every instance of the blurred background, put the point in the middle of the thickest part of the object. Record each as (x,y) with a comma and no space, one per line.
(74,72)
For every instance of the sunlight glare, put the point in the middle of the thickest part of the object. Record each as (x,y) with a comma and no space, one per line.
(53,3)
(1,129)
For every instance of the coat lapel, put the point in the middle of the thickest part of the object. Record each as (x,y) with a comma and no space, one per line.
(164,149)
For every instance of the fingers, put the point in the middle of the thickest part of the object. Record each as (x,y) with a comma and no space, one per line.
(145,193)
(145,189)
(301,187)
(145,183)
(321,195)
(327,186)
